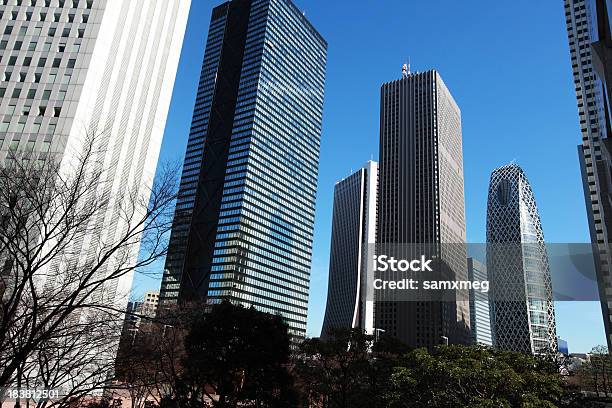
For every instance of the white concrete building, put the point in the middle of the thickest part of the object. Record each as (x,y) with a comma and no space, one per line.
(105,67)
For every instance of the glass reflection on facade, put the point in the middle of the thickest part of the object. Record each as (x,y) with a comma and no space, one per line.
(521,305)
(245,214)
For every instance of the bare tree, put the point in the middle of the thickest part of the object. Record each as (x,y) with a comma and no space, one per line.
(151,369)
(61,265)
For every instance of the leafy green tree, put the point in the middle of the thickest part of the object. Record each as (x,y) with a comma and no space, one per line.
(460,376)
(236,356)
(345,370)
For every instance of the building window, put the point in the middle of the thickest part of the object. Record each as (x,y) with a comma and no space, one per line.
(46,95)
(20,126)
(57,111)
(4,126)
(66,32)
(42,62)
(51,32)
(31,93)
(32,46)
(51,78)
(71,63)
(27,61)
(56,62)
(66,79)
(7,76)
(16,92)
(42,110)
(8,30)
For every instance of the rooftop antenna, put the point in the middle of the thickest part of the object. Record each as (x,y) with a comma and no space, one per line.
(406,69)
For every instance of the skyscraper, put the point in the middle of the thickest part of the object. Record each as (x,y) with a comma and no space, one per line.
(521,303)
(350,297)
(244,218)
(134,317)
(421,201)
(103,68)
(480,321)
(588,30)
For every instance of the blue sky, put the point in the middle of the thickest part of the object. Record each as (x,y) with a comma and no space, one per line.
(507,66)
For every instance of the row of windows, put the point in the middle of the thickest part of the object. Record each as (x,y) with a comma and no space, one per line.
(42,62)
(46,95)
(27,109)
(14,146)
(23,77)
(47,3)
(42,16)
(20,127)
(38,31)
(61,47)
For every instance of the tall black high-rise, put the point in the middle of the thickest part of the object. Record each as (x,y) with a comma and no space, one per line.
(421,201)
(244,219)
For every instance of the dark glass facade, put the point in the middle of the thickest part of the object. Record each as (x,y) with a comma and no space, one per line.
(245,214)
(349,293)
(421,201)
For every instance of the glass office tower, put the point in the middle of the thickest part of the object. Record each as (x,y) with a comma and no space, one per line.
(350,294)
(480,321)
(590,43)
(421,202)
(521,304)
(245,214)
